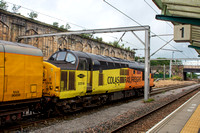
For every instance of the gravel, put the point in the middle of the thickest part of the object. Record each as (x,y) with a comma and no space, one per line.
(105,120)
(144,124)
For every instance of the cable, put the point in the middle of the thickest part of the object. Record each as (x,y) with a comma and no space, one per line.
(156,11)
(60,19)
(138,23)
(48,15)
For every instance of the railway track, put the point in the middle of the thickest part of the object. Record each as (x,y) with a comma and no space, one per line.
(44,121)
(119,129)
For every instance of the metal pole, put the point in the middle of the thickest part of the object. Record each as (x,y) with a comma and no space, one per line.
(147,64)
(138,38)
(162,46)
(170,69)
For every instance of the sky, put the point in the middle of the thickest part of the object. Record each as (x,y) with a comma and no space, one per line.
(95,14)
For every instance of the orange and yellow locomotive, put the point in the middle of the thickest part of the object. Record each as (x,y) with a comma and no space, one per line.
(68,81)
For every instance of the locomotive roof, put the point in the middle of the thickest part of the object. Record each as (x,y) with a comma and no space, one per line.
(132,64)
(19,48)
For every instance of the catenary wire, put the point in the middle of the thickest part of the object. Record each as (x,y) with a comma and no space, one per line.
(65,21)
(139,24)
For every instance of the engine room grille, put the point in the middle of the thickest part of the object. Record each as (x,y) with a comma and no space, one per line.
(121,71)
(71,80)
(64,81)
(124,72)
(100,79)
(122,79)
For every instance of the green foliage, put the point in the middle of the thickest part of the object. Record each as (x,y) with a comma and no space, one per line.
(128,49)
(149,100)
(15,8)
(116,44)
(159,62)
(137,58)
(62,27)
(33,15)
(86,35)
(99,39)
(3,5)
(55,24)
(176,78)
(67,27)
(194,75)
(122,46)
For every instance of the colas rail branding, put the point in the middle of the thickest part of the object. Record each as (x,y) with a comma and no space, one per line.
(129,79)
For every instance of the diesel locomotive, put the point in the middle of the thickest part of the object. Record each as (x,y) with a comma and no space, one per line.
(66,82)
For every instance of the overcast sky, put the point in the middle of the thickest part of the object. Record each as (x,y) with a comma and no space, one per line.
(93,14)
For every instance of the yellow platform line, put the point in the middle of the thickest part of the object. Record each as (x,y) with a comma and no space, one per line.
(193,124)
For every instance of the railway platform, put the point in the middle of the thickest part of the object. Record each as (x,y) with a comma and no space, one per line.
(185,119)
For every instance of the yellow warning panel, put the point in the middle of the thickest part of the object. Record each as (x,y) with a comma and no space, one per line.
(193,124)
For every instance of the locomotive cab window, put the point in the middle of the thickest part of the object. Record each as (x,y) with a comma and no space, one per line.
(71,58)
(61,56)
(53,57)
(83,65)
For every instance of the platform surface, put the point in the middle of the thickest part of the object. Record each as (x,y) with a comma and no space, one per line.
(184,120)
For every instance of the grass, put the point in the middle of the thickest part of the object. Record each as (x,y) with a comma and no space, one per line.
(149,100)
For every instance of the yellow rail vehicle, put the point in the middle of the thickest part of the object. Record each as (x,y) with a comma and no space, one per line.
(68,81)
(21,74)
(77,79)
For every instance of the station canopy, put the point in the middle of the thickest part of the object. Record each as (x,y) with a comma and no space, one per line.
(182,12)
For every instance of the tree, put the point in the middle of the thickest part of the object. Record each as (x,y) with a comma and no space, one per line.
(137,59)
(99,39)
(116,44)
(62,27)
(67,27)
(122,46)
(55,24)
(15,8)
(159,62)
(3,5)
(33,15)
(86,35)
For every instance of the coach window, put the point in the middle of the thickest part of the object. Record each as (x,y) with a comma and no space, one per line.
(61,56)
(71,58)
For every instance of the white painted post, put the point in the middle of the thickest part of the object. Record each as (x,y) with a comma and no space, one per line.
(147,63)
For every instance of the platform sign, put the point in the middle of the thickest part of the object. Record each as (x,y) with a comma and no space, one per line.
(182,33)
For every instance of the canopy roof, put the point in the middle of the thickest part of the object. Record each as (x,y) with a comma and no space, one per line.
(182,12)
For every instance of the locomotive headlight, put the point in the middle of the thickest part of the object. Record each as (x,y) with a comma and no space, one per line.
(57,89)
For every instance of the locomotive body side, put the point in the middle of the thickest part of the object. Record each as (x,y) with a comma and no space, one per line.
(21,72)
(86,80)
(21,69)
(1,72)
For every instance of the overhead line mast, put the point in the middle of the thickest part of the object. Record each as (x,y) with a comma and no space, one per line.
(111,30)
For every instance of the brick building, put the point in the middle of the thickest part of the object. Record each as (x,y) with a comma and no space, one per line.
(14,25)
